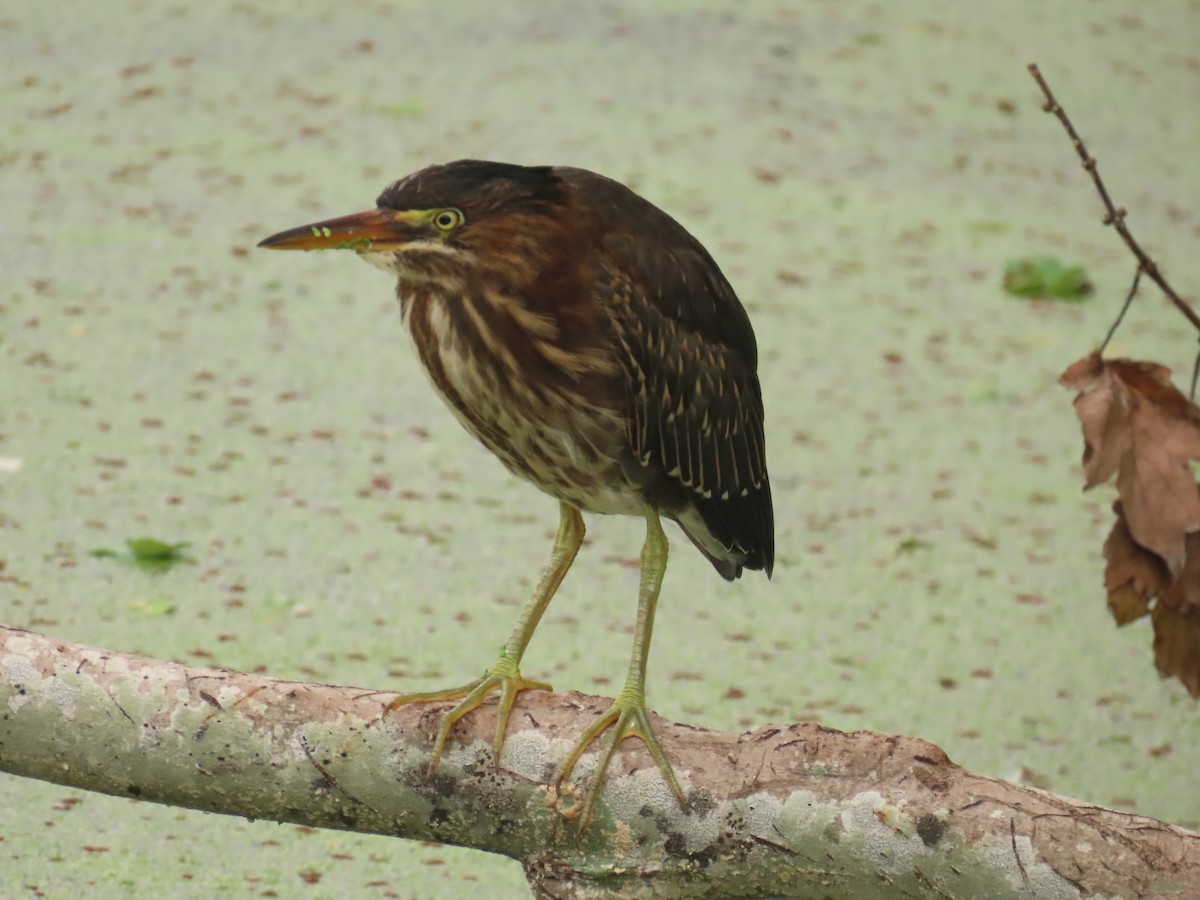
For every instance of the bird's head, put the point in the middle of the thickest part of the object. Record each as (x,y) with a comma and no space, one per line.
(437,223)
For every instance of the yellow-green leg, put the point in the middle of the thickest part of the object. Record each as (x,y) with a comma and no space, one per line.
(505,676)
(628,716)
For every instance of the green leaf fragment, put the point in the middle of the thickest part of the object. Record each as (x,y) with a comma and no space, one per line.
(155,608)
(272,608)
(149,548)
(1046,277)
(147,553)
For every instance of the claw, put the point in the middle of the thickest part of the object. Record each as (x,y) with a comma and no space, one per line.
(503,678)
(627,717)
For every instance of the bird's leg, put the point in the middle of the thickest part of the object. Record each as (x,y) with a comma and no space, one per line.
(628,716)
(505,676)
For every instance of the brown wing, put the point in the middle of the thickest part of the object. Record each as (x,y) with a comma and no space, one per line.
(695,407)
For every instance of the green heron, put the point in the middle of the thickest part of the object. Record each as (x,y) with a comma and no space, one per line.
(594,346)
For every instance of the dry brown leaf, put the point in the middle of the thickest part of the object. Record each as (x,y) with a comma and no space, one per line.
(1183,594)
(1138,426)
(1134,577)
(1127,605)
(1177,645)
(1132,574)
(1103,415)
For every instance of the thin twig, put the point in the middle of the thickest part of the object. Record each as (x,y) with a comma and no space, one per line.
(1114,216)
(1137,277)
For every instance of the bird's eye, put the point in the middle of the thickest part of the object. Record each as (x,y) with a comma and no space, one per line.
(447,219)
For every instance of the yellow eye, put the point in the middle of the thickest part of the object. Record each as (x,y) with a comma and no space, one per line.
(447,219)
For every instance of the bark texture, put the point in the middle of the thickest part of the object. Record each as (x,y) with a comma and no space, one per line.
(796,810)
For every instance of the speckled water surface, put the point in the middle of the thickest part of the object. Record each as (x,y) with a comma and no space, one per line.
(862,172)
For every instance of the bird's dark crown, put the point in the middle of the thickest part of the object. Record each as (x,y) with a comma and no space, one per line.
(478,187)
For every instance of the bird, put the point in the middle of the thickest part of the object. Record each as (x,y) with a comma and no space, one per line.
(592,344)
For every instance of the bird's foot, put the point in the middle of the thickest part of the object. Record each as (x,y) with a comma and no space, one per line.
(504,678)
(627,717)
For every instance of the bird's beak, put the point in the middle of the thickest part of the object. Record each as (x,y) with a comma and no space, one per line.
(376,229)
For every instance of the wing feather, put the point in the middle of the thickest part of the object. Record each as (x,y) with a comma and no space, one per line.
(697,413)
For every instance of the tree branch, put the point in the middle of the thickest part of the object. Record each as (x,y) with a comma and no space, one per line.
(795,810)
(1113,215)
